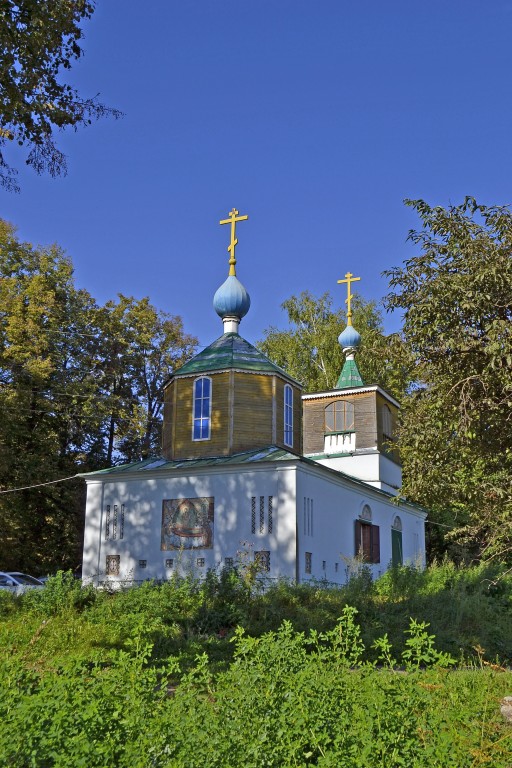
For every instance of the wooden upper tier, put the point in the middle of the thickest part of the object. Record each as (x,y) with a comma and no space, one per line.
(247,403)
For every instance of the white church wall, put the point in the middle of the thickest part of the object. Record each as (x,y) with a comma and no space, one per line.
(329,535)
(286,511)
(253,511)
(93,530)
(373,468)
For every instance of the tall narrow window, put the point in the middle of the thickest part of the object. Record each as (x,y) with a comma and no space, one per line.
(339,417)
(202,408)
(397,553)
(107,523)
(288,415)
(387,423)
(253,514)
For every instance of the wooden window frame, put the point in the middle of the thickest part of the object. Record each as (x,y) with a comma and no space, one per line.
(342,414)
(367,541)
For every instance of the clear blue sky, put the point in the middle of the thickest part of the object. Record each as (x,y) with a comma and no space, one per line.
(316,118)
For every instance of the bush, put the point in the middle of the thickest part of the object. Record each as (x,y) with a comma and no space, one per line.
(62,592)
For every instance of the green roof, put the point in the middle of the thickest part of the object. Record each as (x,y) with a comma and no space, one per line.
(230,351)
(269,453)
(349,376)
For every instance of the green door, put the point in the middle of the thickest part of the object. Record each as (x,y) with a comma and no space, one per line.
(397,556)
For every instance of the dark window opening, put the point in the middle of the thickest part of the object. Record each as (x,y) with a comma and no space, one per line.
(367,541)
(263,559)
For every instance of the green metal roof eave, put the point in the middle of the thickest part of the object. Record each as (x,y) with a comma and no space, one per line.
(158,463)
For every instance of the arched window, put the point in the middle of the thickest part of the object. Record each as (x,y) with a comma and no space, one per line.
(397,552)
(288,415)
(339,417)
(202,407)
(387,423)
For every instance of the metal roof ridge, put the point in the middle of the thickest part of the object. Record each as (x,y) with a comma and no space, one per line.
(351,391)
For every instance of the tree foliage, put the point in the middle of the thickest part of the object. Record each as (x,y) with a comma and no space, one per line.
(39,39)
(80,388)
(141,347)
(309,350)
(456,431)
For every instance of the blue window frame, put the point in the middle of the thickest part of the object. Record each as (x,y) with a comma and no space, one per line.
(288,415)
(202,408)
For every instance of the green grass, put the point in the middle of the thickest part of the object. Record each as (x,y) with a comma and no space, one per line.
(148,679)
(465,608)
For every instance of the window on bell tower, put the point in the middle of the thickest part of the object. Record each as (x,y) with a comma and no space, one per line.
(387,423)
(288,415)
(202,407)
(339,417)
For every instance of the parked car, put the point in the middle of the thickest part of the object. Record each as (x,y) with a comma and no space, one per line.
(18,582)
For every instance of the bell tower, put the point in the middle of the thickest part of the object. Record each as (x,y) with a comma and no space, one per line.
(351,428)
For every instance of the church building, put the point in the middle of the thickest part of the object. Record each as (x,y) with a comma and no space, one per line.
(251,468)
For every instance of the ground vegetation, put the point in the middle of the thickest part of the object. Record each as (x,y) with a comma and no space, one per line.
(221,671)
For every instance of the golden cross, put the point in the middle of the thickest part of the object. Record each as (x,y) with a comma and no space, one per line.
(349,279)
(233,218)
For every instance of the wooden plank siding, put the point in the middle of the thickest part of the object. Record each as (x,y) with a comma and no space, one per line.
(252,411)
(297,417)
(247,413)
(383,445)
(168,418)
(180,444)
(365,420)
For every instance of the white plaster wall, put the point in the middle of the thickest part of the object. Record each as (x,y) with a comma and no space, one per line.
(93,531)
(337,503)
(373,468)
(337,506)
(232,491)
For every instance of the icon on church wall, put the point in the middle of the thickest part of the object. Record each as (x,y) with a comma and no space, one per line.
(187,523)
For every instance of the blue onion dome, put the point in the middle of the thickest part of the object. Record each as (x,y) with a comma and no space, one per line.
(349,338)
(231,299)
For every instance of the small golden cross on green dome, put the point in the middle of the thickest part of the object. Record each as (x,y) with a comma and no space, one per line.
(349,278)
(233,218)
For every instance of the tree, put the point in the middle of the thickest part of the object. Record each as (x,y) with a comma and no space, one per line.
(309,350)
(48,411)
(142,346)
(38,40)
(80,388)
(456,431)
